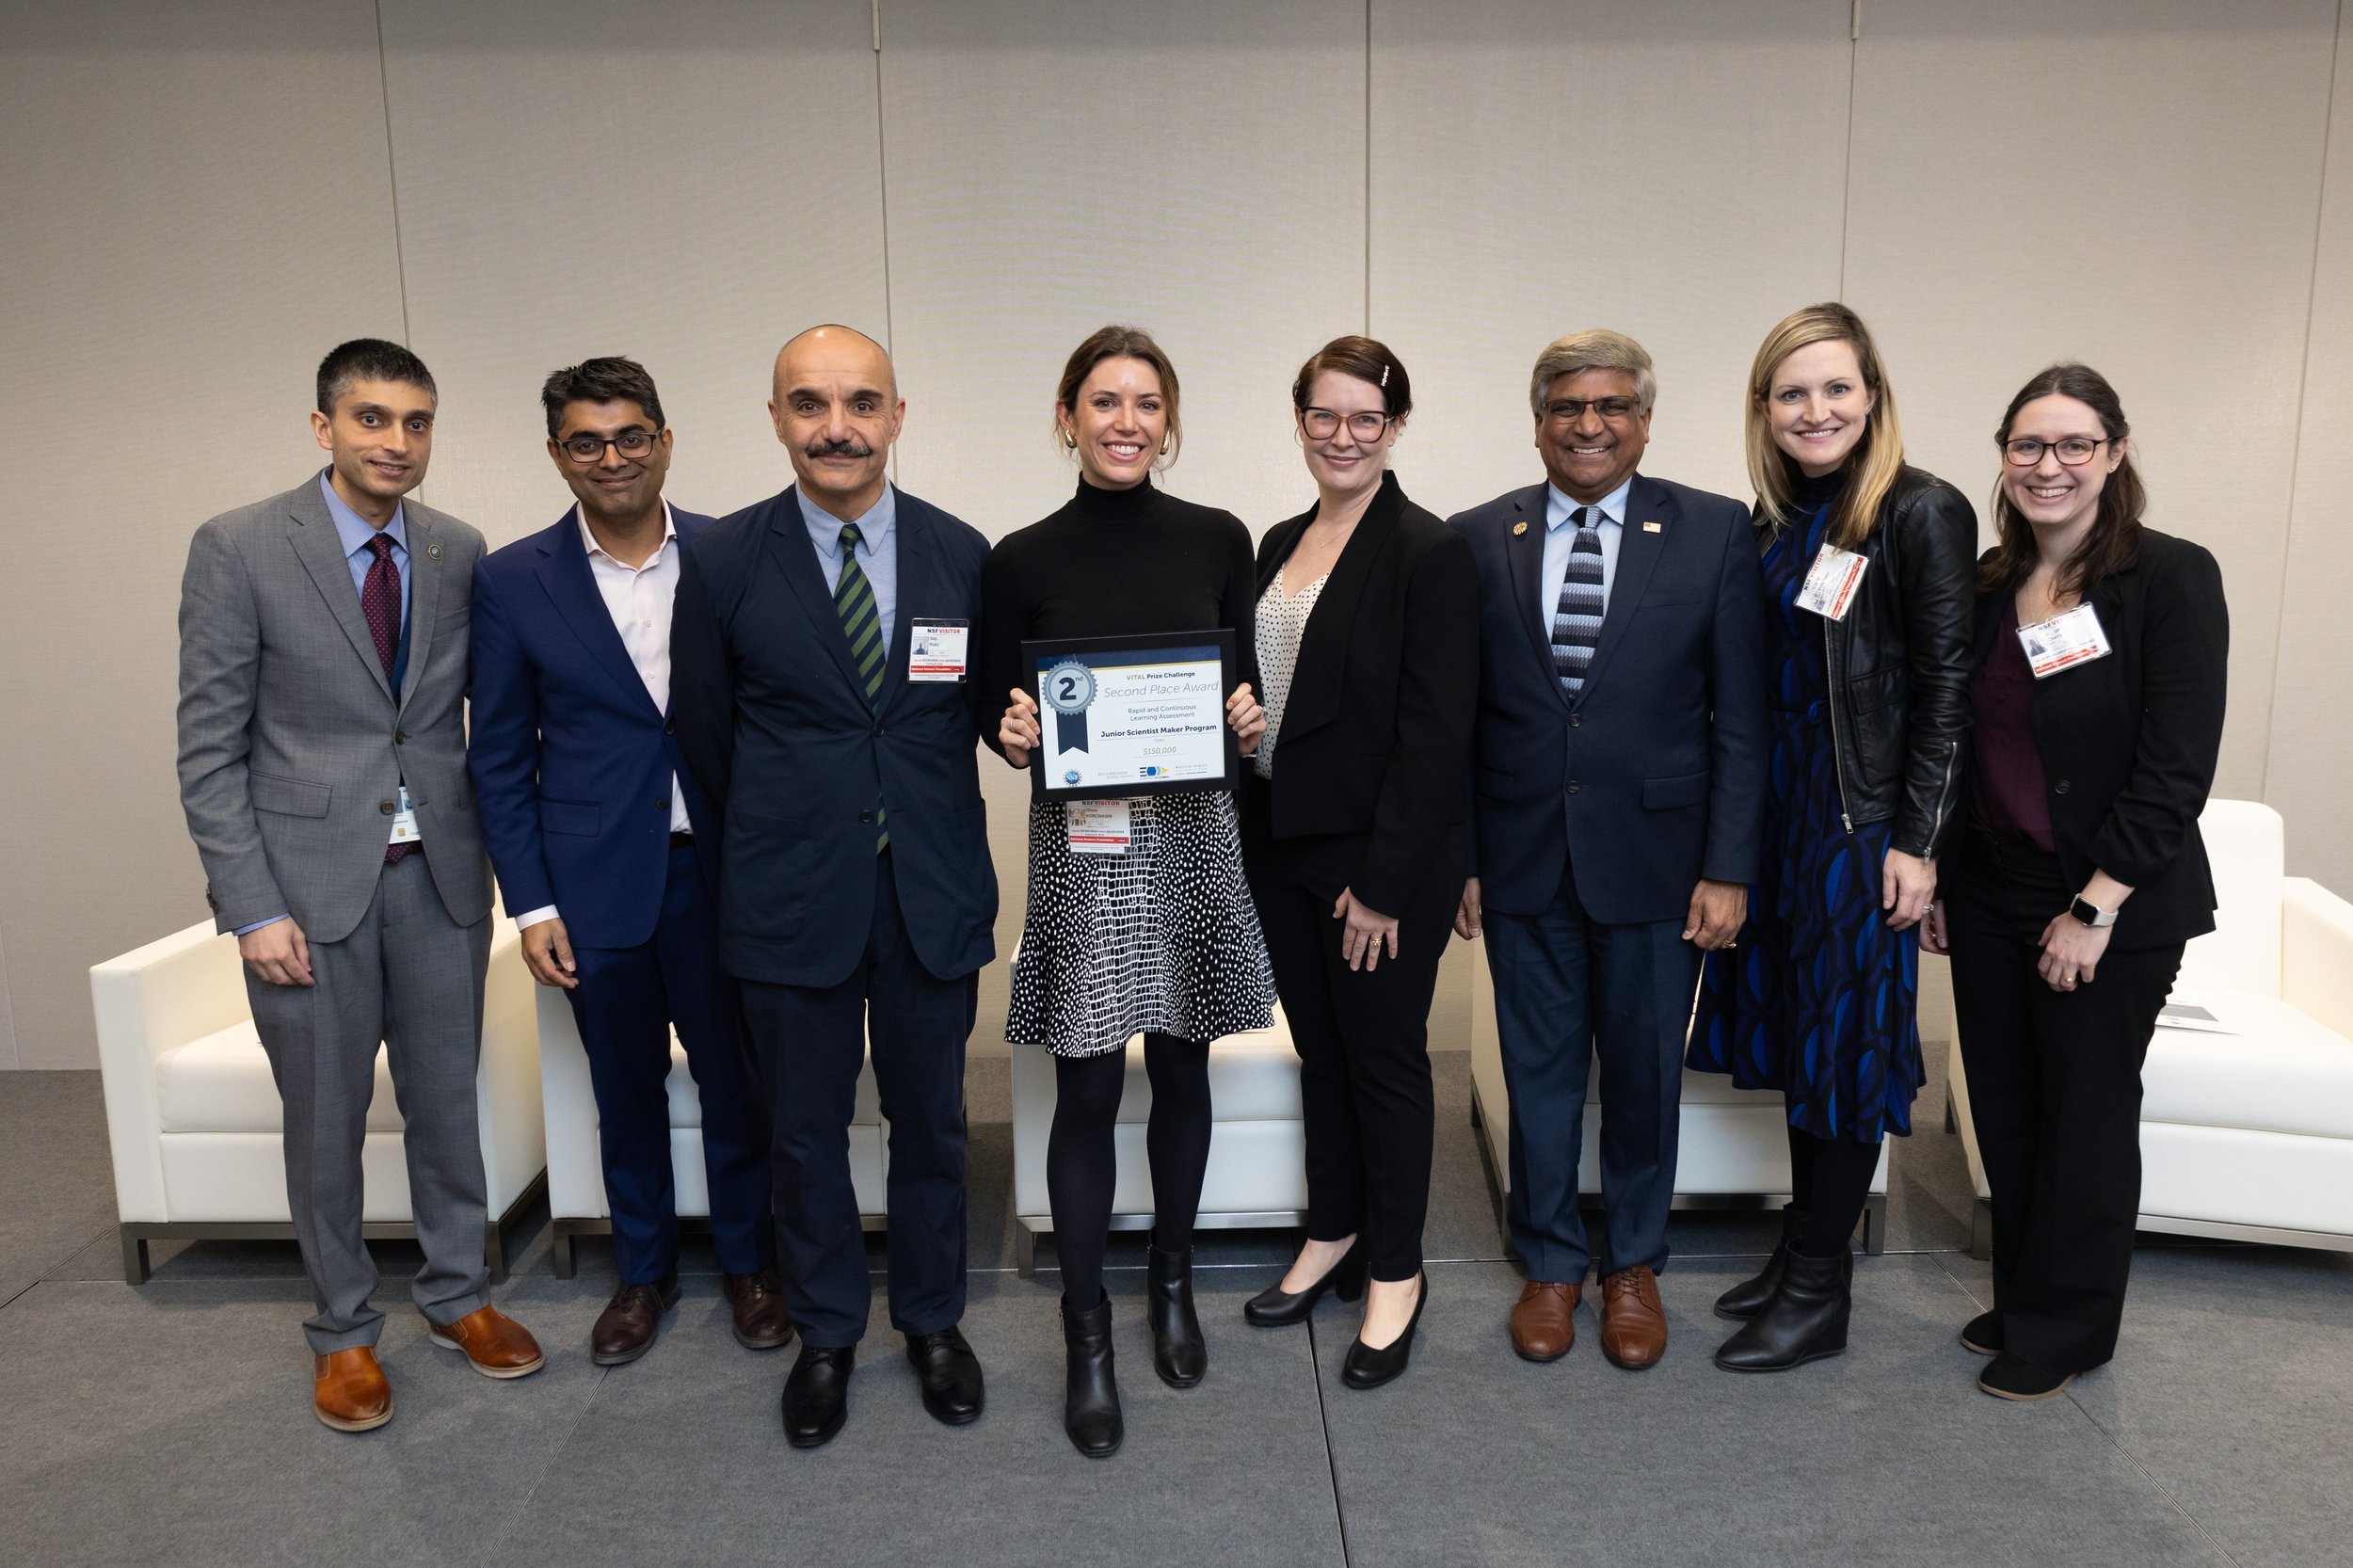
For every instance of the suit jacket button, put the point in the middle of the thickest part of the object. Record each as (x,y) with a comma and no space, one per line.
(664,803)
(385,806)
(866,816)
(1572,785)
(1575,719)
(670,728)
(400,737)
(2060,788)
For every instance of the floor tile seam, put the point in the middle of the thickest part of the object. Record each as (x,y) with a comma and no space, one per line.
(2149,1478)
(1331,1456)
(523,1514)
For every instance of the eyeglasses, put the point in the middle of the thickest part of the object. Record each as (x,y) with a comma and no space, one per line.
(2074,450)
(1322,424)
(1568,411)
(631,445)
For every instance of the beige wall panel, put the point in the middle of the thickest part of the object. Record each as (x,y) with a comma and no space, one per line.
(689,184)
(2130,182)
(1673,173)
(1195,169)
(198,207)
(2311,704)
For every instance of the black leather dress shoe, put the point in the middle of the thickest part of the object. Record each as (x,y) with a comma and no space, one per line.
(817,1394)
(1365,1368)
(625,1328)
(756,1308)
(1275,1307)
(951,1375)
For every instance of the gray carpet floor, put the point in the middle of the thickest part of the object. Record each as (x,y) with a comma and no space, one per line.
(169,1423)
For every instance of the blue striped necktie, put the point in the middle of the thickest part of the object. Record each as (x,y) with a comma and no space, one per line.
(1576,619)
(854,598)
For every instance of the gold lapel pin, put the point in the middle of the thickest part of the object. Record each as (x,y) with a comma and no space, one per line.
(1518,528)
(1653,528)
(435,551)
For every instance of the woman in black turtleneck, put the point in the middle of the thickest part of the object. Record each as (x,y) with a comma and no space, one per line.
(1161,940)
(1867,690)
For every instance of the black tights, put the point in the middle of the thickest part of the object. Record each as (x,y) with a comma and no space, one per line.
(1082,1164)
(1829,1180)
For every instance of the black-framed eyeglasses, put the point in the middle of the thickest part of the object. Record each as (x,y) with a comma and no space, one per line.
(631,445)
(2074,450)
(1568,411)
(1322,424)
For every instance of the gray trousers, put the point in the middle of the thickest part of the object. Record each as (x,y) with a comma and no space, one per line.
(411,977)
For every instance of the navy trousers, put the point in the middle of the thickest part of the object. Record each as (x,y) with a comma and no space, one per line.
(1567,985)
(627,1000)
(809,1042)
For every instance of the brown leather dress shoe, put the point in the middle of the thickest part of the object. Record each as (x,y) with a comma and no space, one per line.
(1633,1322)
(1544,1324)
(626,1328)
(349,1390)
(498,1346)
(756,1301)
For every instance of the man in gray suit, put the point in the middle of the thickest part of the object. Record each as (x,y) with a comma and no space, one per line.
(323,670)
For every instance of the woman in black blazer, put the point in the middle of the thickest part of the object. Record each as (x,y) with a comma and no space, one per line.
(1353,832)
(2101,649)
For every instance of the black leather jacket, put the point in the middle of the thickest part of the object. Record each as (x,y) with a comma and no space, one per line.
(1899,663)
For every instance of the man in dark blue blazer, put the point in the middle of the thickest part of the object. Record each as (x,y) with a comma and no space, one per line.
(1618,800)
(603,845)
(821,649)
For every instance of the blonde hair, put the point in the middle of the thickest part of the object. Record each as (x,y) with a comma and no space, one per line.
(1119,343)
(1597,349)
(1878,457)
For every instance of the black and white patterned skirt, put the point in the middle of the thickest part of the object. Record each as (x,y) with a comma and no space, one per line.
(1163,938)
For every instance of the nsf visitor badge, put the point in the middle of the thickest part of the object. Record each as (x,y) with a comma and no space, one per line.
(1097,826)
(1830,584)
(935,650)
(404,819)
(2063,642)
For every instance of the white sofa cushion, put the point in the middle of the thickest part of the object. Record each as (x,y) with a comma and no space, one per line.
(1253,1076)
(2281,1072)
(221,1082)
(686,1105)
(2246,846)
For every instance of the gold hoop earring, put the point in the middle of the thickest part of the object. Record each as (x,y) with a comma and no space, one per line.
(1069,437)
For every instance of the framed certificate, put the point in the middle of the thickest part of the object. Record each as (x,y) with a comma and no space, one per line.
(1140,715)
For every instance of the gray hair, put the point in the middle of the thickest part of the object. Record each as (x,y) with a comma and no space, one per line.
(1596,349)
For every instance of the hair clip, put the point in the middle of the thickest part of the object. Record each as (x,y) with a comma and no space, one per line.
(1384,375)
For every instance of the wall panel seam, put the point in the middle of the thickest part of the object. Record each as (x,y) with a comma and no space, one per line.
(392,173)
(2303,384)
(1846,174)
(882,193)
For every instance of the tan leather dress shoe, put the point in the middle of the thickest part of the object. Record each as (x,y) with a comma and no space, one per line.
(1544,1324)
(498,1346)
(1633,1321)
(756,1303)
(349,1390)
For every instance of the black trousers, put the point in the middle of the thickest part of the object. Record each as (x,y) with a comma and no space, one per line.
(2054,1090)
(809,1042)
(1363,1037)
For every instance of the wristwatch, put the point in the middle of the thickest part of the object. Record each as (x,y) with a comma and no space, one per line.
(2091,913)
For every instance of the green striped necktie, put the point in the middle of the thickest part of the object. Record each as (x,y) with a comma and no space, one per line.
(854,598)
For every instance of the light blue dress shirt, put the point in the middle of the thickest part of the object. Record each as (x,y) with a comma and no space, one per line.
(355,532)
(1560,534)
(878,551)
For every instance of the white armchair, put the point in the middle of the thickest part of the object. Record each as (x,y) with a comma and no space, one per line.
(576,1200)
(1257,1173)
(2248,1134)
(196,1123)
(1733,1146)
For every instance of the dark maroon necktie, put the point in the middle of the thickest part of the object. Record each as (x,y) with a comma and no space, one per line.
(379,600)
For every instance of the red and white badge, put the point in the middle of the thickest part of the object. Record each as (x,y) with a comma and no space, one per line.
(1831,583)
(2063,642)
(936,649)
(1097,826)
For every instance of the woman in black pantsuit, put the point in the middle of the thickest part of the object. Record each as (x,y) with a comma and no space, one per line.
(1352,830)
(2083,874)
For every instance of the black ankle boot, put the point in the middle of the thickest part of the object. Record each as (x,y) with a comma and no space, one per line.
(1178,1351)
(1090,1401)
(1748,1298)
(1805,1321)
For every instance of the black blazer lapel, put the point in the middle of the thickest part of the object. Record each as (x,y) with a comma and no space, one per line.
(1639,549)
(320,548)
(1318,677)
(1524,550)
(570,584)
(795,556)
(1279,542)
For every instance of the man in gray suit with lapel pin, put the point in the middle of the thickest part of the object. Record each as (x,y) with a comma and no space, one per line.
(323,673)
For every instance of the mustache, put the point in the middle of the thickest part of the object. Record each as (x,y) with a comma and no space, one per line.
(849,446)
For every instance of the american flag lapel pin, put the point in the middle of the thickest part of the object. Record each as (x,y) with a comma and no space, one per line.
(1649,527)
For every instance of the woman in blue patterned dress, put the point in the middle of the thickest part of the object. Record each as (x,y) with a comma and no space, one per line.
(1867,568)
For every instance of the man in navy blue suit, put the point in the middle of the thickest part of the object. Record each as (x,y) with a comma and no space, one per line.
(820,655)
(1618,802)
(603,843)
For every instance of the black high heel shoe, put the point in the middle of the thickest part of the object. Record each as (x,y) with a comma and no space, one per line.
(1365,1368)
(1275,1307)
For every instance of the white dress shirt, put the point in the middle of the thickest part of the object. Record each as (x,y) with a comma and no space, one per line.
(1560,534)
(639,599)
